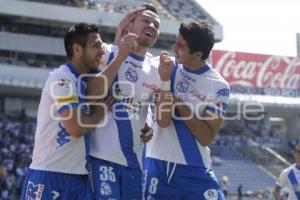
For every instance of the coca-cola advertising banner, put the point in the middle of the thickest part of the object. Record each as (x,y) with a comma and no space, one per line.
(257,73)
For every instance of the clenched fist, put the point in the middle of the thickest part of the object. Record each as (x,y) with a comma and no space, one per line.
(165,66)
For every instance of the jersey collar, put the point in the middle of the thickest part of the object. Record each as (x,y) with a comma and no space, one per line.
(199,71)
(73,69)
(137,57)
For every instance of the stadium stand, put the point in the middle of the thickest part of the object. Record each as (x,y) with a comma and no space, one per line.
(16,144)
(239,169)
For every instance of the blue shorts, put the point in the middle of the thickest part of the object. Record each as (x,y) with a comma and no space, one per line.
(45,185)
(114,181)
(165,180)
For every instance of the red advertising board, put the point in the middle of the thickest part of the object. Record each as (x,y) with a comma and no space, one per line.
(257,70)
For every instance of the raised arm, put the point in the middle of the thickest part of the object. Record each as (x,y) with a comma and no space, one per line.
(99,85)
(163,96)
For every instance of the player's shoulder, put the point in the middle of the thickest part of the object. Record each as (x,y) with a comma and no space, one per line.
(217,77)
(287,170)
(61,73)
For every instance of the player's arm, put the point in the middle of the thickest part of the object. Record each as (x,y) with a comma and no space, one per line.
(204,129)
(281,183)
(77,124)
(101,82)
(276,193)
(163,97)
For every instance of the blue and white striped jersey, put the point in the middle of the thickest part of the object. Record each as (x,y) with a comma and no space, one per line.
(118,138)
(203,89)
(55,149)
(289,179)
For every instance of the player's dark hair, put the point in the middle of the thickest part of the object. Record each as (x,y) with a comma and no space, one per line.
(149,6)
(199,37)
(78,34)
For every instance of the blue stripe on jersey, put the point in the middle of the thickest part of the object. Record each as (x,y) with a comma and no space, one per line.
(111,56)
(124,127)
(294,182)
(173,75)
(85,111)
(187,143)
(125,132)
(73,69)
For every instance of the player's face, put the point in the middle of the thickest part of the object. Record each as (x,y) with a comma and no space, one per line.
(181,50)
(93,51)
(146,27)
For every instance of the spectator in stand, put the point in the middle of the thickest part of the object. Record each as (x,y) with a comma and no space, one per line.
(225,185)
(289,179)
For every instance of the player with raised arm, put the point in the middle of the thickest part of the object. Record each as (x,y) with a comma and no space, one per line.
(58,168)
(190,103)
(116,148)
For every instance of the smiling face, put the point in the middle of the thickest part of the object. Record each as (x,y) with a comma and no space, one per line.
(146,27)
(91,56)
(182,52)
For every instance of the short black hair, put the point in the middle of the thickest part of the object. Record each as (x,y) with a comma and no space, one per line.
(78,34)
(199,37)
(150,6)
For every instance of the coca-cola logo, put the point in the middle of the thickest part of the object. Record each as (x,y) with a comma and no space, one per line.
(258,70)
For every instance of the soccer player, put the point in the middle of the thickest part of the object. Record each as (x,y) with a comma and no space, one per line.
(116,148)
(190,103)
(289,180)
(58,164)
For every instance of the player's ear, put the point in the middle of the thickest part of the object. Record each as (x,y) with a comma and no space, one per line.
(77,50)
(198,54)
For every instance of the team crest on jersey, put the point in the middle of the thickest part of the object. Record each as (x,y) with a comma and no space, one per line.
(222,105)
(131,75)
(211,194)
(64,82)
(105,189)
(182,86)
(223,92)
(34,192)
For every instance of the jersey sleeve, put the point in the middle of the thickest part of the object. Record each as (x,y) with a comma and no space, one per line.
(63,91)
(282,179)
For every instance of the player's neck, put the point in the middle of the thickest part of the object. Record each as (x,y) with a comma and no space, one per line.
(140,51)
